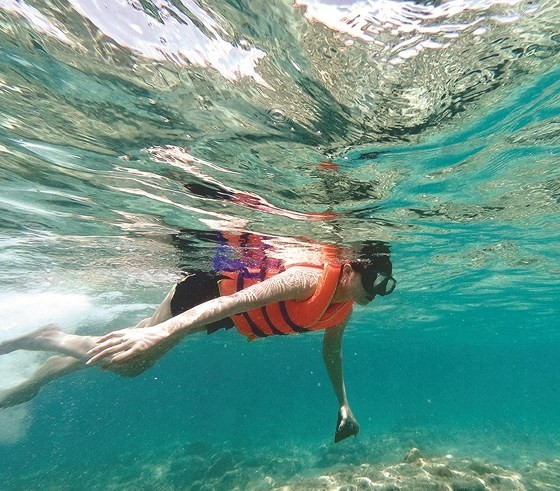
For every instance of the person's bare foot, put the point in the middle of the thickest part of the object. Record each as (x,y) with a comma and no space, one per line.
(33,341)
(18,395)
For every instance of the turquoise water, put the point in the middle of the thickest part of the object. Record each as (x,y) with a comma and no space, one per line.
(125,123)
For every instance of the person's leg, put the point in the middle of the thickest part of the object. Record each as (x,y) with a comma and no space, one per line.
(51,338)
(74,347)
(53,368)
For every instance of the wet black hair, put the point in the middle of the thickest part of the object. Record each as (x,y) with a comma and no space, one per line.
(373,256)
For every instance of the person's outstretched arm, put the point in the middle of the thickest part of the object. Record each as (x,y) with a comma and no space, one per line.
(130,344)
(332,355)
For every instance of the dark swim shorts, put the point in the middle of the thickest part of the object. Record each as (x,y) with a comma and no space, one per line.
(197,288)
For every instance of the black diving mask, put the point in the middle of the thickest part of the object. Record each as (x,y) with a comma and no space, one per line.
(376,283)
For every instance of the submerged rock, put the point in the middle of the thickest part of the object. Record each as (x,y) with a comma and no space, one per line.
(412,456)
(418,473)
(468,483)
(440,470)
(221,463)
(482,469)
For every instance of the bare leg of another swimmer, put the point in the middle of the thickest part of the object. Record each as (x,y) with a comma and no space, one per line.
(53,368)
(74,349)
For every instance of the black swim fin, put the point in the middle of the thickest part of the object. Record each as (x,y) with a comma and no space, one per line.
(345,429)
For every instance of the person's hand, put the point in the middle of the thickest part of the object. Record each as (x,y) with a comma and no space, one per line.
(346,425)
(126,345)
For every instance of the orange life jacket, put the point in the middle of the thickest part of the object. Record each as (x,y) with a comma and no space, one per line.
(290,316)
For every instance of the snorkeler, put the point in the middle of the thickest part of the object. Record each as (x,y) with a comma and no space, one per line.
(262,297)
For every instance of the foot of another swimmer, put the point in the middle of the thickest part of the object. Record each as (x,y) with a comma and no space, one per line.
(51,369)
(346,426)
(32,341)
(18,395)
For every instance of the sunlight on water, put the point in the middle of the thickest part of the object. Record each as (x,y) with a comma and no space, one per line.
(132,131)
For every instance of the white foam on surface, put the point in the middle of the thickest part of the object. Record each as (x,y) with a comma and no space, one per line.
(23,312)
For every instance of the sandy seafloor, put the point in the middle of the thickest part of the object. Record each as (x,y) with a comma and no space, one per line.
(383,462)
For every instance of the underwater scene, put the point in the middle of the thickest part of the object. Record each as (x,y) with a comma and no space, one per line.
(151,148)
